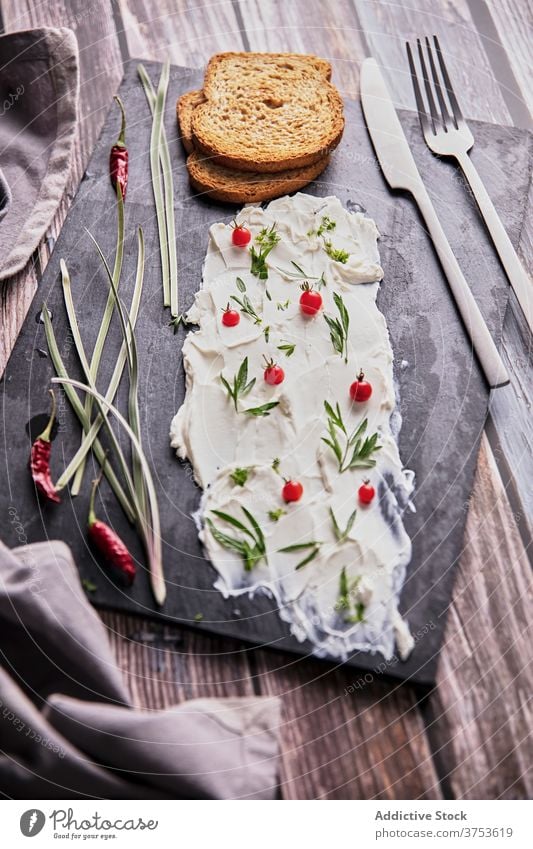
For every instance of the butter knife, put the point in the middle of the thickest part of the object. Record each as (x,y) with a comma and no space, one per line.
(401,172)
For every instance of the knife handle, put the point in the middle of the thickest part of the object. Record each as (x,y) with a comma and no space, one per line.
(516,273)
(487,353)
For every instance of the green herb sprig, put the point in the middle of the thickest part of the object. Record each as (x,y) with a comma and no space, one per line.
(338,327)
(340,534)
(337,254)
(240,387)
(239,476)
(300,274)
(326,225)
(345,600)
(245,303)
(313,547)
(287,348)
(267,240)
(247,308)
(358,448)
(251,552)
(263,410)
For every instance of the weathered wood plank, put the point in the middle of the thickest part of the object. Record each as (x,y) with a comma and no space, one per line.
(514,23)
(346,736)
(187,34)
(163,666)
(482,707)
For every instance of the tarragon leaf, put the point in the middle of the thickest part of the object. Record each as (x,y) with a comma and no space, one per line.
(263,410)
(300,546)
(307,559)
(258,532)
(342,535)
(288,349)
(231,520)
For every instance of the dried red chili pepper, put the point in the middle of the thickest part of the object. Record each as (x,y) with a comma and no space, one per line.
(40,459)
(107,541)
(118,158)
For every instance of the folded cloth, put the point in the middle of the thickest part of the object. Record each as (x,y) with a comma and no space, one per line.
(39,84)
(67,727)
(5,195)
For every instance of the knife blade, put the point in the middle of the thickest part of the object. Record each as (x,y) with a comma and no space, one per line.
(401,172)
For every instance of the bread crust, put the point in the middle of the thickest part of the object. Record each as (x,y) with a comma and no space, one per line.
(209,177)
(185,107)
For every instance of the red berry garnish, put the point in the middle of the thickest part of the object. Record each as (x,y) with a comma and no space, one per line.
(366,492)
(273,374)
(361,389)
(292,491)
(230,317)
(240,236)
(310,300)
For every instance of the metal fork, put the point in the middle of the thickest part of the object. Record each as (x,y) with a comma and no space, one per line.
(447,134)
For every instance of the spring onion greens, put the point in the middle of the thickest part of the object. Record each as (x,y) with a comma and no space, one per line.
(104,327)
(133,366)
(89,437)
(150,530)
(79,410)
(164,195)
(80,350)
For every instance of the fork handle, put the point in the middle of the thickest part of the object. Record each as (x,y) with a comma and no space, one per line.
(483,343)
(516,272)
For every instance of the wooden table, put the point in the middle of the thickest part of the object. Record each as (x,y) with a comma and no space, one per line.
(469,737)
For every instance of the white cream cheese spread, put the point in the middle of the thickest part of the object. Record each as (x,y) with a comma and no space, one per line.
(339,583)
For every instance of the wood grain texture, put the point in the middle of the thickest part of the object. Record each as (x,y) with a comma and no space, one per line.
(164,665)
(483,709)
(514,23)
(186,33)
(369,742)
(346,735)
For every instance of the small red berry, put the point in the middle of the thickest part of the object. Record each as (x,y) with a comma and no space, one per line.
(361,389)
(310,300)
(273,374)
(230,317)
(240,236)
(366,492)
(292,491)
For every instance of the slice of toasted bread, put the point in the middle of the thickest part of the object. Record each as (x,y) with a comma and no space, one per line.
(267,112)
(225,184)
(185,106)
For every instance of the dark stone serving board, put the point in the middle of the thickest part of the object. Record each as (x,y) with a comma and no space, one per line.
(443,396)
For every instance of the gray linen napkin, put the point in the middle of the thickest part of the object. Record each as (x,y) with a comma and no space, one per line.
(39,84)
(67,728)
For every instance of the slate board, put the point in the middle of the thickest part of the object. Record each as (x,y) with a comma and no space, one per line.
(443,396)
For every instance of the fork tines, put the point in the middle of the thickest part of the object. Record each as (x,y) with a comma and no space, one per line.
(447,115)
